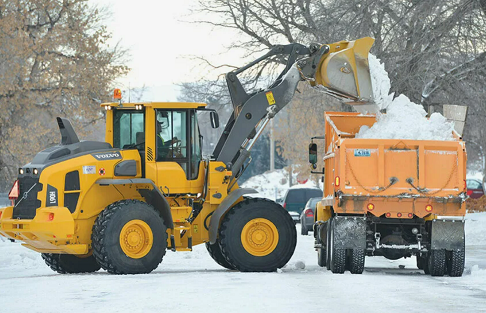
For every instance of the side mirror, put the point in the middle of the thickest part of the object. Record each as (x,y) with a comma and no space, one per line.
(313,155)
(214,119)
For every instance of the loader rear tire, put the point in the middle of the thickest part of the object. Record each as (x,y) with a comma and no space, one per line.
(437,262)
(215,252)
(71,264)
(257,235)
(129,237)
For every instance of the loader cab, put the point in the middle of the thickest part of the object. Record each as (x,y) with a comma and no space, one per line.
(168,139)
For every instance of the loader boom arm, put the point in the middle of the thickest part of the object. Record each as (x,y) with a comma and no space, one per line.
(340,70)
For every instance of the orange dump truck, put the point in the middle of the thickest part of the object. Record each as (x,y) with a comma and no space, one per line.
(389,197)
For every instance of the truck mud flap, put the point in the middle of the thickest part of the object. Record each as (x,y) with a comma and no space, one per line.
(447,234)
(349,232)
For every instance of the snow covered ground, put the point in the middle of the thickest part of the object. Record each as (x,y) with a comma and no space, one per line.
(193,282)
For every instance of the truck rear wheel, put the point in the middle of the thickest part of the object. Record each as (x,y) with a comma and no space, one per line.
(321,252)
(356,258)
(328,245)
(215,252)
(71,264)
(257,235)
(421,262)
(129,237)
(337,258)
(321,257)
(455,261)
(437,262)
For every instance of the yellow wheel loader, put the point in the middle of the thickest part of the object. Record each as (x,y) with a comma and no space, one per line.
(120,204)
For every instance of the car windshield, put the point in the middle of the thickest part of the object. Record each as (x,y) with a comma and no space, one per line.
(473,184)
(295,196)
(312,202)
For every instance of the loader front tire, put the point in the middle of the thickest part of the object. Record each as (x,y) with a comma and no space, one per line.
(257,235)
(215,252)
(129,237)
(71,264)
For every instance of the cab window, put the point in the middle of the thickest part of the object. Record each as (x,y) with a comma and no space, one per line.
(128,126)
(171,135)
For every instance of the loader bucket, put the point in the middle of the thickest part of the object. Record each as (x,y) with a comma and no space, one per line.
(345,71)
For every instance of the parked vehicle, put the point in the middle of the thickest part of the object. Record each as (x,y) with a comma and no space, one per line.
(296,198)
(475,188)
(307,216)
(389,197)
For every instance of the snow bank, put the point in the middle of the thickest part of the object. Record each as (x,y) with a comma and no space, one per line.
(476,229)
(273,184)
(403,119)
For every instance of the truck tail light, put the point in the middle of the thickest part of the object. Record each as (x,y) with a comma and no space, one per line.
(51,217)
(388,214)
(370,206)
(428,208)
(399,214)
(469,192)
(15,191)
(309,213)
(410,215)
(284,205)
(337,181)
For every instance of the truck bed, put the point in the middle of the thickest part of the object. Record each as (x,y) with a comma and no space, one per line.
(396,177)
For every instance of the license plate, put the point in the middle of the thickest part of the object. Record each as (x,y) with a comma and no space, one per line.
(362,152)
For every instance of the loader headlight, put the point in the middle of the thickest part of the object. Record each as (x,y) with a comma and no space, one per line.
(21,171)
(107,107)
(35,171)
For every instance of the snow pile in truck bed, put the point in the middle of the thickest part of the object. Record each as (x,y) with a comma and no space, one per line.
(407,120)
(403,119)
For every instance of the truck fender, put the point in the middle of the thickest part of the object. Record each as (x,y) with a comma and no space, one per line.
(447,234)
(221,210)
(153,197)
(349,232)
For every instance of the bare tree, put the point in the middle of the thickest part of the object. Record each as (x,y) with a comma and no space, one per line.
(54,61)
(434,51)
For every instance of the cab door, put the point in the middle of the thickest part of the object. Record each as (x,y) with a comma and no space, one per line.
(178,153)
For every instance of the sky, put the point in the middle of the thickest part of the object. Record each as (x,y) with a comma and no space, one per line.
(163,42)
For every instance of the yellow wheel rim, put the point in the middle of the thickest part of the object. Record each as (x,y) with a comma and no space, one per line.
(136,239)
(259,237)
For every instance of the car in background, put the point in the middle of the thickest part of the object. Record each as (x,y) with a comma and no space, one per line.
(307,215)
(296,198)
(474,188)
